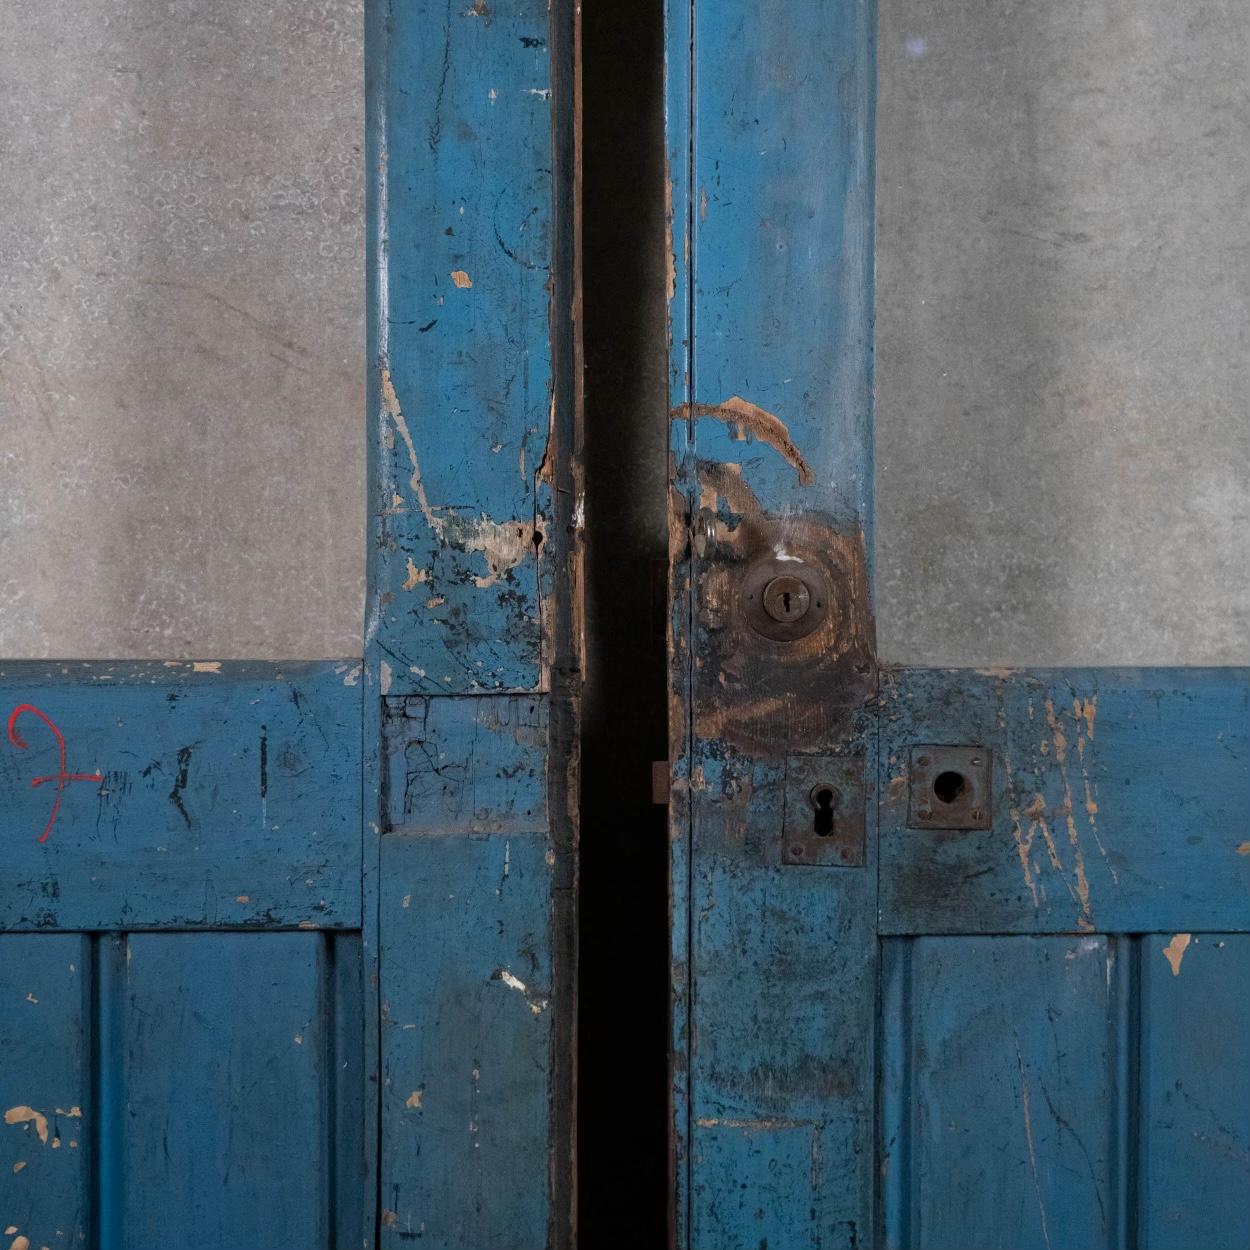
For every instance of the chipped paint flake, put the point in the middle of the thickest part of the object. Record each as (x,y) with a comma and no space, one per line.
(415,576)
(461,279)
(206,666)
(537,1005)
(413,1101)
(1244,849)
(504,544)
(1175,950)
(28,1115)
(746,419)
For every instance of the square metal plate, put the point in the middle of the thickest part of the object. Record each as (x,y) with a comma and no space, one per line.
(949,787)
(836,785)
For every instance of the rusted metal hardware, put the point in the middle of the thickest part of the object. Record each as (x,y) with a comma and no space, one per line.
(784,599)
(949,787)
(824,811)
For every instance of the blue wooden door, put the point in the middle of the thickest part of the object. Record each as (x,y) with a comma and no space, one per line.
(960,958)
(284,948)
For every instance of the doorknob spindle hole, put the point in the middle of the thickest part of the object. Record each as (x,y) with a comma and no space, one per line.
(949,786)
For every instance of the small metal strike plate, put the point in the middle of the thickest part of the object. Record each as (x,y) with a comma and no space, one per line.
(824,812)
(949,787)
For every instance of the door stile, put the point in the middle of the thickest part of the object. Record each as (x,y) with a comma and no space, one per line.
(473,631)
(682,507)
(772,444)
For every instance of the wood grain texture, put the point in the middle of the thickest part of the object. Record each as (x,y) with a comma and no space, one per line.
(46,1124)
(230,1078)
(1195,1092)
(770,393)
(1000,1093)
(1120,801)
(473,630)
(468,1132)
(230,796)
(1014,1070)
(467,765)
(462,382)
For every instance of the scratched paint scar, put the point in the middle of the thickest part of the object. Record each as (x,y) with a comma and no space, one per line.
(748,418)
(537,1005)
(1028,1137)
(504,544)
(1175,950)
(28,1115)
(1084,713)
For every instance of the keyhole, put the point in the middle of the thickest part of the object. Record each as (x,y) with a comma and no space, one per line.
(785,599)
(822,800)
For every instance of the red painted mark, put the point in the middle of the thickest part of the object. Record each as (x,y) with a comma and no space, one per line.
(61,777)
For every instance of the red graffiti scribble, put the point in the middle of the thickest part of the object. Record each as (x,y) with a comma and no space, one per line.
(61,777)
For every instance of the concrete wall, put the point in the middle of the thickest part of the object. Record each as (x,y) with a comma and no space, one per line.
(1063,340)
(181,328)
(1064,276)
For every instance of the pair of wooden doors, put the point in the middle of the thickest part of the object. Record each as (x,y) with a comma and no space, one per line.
(959,957)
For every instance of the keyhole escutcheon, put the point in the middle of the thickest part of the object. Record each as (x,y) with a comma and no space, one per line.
(824,799)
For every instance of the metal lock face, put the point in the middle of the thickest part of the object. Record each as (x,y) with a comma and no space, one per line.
(784,599)
(949,787)
(824,813)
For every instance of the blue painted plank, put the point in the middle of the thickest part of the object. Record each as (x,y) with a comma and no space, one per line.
(465,238)
(472,765)
(466,1042)
(769,116)
(782,1057)
(1120,800)
(999,1095)
(220,794)
(226,1091)
(45,1089)
(781,212)
(1195,1092)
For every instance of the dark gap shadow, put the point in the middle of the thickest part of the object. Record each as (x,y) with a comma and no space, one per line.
(623,930)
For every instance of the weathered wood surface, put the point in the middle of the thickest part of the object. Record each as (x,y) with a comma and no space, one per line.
(1193,1127)
(1023,1080)
(770,390)
(46,1134)
(471,765)
(192,1089)
(472,630)
(462,384)
(220,794)
(1120,802)
(469,1139)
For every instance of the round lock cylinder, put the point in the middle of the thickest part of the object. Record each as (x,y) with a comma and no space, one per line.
(784,599)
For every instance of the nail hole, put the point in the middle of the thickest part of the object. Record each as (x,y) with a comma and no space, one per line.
(948,786)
